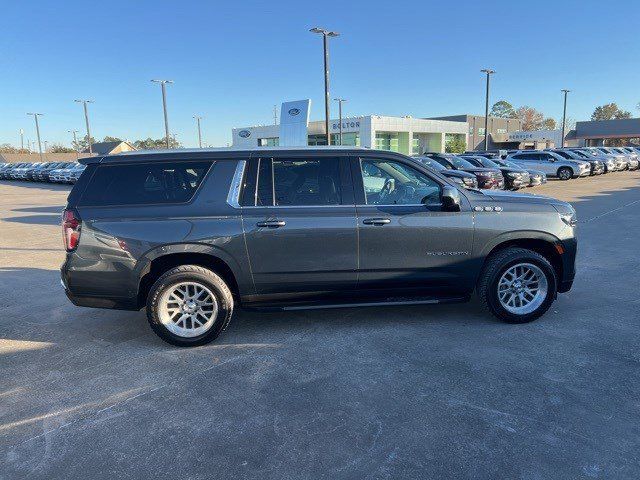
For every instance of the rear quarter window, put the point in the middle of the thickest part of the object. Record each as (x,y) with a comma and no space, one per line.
(144,183)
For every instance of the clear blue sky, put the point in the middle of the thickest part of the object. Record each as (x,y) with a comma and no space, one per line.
(233,60)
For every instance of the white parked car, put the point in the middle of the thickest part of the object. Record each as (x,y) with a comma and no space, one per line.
(552,164)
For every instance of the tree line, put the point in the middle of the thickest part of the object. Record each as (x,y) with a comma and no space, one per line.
(532,119)
(83,144)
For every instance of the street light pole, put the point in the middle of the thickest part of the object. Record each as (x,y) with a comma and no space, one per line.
(325,45)
(75,142)
(163,84)
(35,116)
(489,72)
(86,121)
(21,140)
(199,131)
(564,114)
(340,100)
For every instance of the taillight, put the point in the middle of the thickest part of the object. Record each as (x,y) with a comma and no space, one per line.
(71,225)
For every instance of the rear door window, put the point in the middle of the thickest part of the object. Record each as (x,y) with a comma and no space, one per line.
(299,182)
(145,183)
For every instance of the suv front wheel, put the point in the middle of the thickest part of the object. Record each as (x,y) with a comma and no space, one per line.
(189,305)
(565,173)
(517,285)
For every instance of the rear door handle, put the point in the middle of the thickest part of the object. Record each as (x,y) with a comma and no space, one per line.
(272,223)
(376,221)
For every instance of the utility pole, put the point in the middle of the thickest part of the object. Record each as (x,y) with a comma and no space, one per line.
(86,121)
(163,84)
(564,115)
(35,116)
(275,114)
(199,131)
(46,148)
(325,45)
(340,100)
(75,142)
(489,72)
(21,139)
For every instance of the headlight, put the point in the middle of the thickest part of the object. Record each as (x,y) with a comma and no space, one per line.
(471,182)
(567,213)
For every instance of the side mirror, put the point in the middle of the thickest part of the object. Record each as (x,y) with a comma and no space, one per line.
(450,199)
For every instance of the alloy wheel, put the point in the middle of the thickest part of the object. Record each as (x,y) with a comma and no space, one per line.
(522,288)
(188,309)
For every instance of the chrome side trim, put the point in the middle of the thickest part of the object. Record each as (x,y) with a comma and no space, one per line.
(233,198)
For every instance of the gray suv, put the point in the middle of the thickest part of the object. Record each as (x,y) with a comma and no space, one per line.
(192,235)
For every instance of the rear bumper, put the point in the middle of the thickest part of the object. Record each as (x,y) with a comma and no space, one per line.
(115,303)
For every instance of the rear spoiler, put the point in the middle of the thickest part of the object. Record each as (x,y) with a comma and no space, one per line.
(90,160)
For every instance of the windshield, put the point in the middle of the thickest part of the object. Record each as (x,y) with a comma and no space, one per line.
(487,163)
(580,154)
(431,163)
(460,162)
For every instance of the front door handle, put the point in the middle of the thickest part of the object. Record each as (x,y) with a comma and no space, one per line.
(272,223)
(376,221)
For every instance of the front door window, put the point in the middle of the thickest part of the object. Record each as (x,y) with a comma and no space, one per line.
(387,182)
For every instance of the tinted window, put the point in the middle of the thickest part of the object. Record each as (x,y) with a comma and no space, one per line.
(146,183)
(387,182)
(299,182)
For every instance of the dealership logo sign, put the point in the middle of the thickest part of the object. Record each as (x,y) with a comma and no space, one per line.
(336,126)
(294,111)
(244,133)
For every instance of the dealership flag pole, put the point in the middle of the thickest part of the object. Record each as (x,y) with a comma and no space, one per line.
(564,115)
(325,46)
(489,72)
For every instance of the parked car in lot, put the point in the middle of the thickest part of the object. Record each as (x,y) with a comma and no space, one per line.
(631,157)
(62,175)
(75,172)
(597,166)
(465,179)
(536,177)
(608,161)
(19,172)
(619,160)
(193,234)
(552,164)
(488,178)
(514,177)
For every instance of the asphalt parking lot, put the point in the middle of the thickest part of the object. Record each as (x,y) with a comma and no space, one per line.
(413,392)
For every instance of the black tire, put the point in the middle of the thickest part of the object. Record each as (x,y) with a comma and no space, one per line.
(197,274)
(496,265)
(565,173)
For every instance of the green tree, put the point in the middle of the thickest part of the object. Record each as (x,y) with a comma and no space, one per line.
(503,109)
(455,144)
(58,148)
(610,111)
(156,144)
(111,139)
(549,124)
(82,144)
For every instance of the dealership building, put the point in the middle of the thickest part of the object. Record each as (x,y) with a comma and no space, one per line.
(408,135)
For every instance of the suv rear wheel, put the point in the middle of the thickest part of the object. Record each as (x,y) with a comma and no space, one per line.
(517,285)
(189,305)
